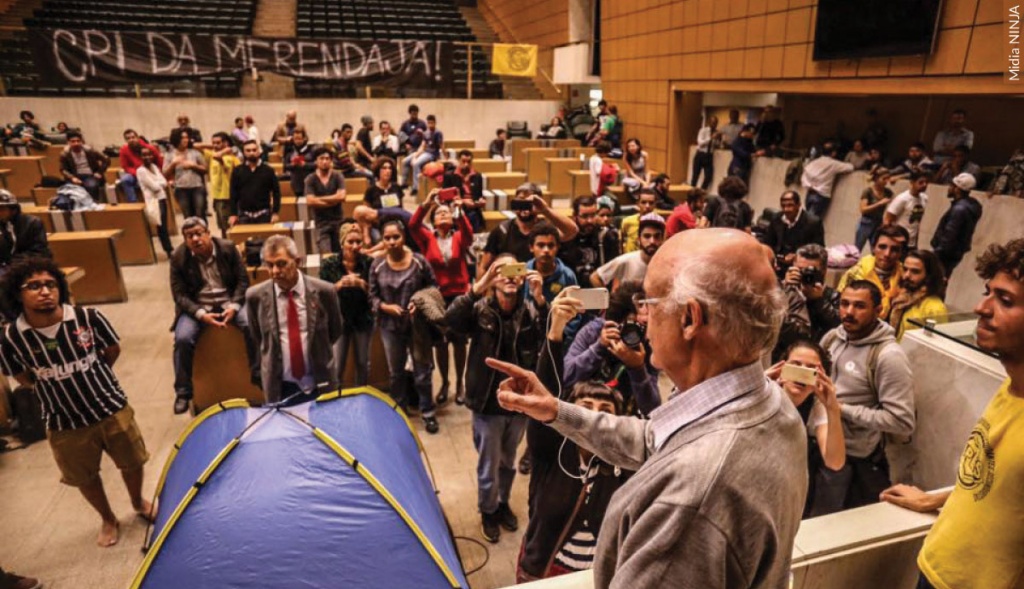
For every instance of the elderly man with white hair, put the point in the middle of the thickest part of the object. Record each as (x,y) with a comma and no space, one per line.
(721,466)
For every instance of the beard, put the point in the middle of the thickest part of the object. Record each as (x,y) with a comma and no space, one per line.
(651,250)
(528,218)
(910,286)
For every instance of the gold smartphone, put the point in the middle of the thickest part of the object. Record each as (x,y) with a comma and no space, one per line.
(514,270)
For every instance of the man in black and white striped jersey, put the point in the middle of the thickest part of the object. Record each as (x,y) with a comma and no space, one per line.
(67,353)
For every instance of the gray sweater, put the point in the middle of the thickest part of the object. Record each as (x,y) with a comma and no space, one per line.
(870,409)
(716,506)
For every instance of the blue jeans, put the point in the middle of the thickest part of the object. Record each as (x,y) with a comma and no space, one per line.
(865,229)
(922,583)
(397,348)
(359,343)
(192,201)
(817,204)
(130,187)
(496,438)
(415,163)
(186,334)
(92,186)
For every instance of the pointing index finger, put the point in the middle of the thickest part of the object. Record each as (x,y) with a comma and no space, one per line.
(509,369)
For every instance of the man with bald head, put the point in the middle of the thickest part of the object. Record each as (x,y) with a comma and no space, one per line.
(721,466)
(285,129)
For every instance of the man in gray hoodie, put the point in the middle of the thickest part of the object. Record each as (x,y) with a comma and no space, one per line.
(875,388)
(721,466)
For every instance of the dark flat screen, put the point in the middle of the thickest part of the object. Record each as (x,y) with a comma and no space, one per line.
(847,29)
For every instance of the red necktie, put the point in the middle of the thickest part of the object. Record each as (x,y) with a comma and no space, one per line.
(295,338)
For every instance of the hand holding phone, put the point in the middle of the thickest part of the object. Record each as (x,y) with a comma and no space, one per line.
(799,374)
(593,299)
(514,270)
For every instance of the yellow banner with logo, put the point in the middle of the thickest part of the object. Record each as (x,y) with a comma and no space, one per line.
(514,60)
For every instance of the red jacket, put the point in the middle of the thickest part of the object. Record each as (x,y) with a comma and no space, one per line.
(453,275)
(131,161)
(681,219)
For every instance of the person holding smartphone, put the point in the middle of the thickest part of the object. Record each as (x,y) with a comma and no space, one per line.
(349,272)
(803,375)
(445,249)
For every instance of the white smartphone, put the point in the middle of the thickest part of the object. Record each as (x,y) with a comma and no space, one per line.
(593,299)
(799,374)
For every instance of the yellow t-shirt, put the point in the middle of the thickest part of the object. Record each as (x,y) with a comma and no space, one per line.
(930,307)
(630,231)
(978,540)
(220,174)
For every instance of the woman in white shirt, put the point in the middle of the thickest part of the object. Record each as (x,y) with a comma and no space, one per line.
(154,190)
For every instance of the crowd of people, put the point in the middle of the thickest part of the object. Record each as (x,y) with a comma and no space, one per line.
(708,309)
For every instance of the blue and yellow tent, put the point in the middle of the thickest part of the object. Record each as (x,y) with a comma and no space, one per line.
(332,493)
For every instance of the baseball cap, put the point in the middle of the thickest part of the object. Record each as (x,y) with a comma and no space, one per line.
(7,199)
(965,181)
(652,220)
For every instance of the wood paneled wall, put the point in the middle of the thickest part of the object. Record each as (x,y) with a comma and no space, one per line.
(540,22)
(766,45)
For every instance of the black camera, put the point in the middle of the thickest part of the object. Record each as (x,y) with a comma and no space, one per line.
(810,276)
(632,333)
(521,205)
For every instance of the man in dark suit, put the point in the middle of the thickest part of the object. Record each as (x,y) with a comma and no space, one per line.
(794,228)
(295,319)
(208,282)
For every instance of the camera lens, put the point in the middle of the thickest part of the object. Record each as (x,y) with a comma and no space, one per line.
(632,334)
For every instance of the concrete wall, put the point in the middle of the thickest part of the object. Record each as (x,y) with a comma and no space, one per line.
(1001,219)
(103,120)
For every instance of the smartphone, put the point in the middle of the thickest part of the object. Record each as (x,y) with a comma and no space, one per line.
(521,205)
(514,270)
(593,299)
(447,195)
(799,374)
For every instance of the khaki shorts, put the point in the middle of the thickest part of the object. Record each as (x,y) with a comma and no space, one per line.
(78,451)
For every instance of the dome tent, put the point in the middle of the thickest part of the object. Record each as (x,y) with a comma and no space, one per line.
(331,493)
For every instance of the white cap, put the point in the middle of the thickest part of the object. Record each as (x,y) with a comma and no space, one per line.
(965,181)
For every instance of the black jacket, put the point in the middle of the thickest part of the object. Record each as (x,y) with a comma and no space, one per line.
(187,279)
(558,503)
(29,239)
(786,240)
(479,319)
(953,236)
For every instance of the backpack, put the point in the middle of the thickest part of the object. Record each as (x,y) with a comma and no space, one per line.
(728,214)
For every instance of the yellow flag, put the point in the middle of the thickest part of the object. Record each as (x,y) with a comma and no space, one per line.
(514,60)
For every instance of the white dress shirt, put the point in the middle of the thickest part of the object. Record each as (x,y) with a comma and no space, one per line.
(281,296)
(820,174)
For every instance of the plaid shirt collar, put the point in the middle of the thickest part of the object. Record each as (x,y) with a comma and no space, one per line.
(706,399)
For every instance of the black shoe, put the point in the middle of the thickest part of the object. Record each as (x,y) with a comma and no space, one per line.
(442,397)
(431,424)
(525,464)
(506,518)
(489,527)
(181,405)
(460,394)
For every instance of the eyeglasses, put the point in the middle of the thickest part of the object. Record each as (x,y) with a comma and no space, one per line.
(38,285)
(640,301)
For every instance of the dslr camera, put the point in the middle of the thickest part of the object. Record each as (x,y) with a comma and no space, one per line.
(632,333)
(811,276)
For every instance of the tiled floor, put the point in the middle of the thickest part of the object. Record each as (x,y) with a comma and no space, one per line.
(47,530)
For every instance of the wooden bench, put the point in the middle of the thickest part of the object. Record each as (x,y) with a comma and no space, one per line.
(221,369)
(135,246)
(459,144)
(507,181)
(300,232)
(26,172)
(478,154)
(579,183)
(488,166)
(492,219)
(96,254)
(4,173)
(516,149)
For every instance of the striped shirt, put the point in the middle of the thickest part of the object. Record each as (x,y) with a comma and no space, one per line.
(75,385)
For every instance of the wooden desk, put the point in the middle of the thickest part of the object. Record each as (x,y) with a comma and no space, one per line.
(26,172)
(579,183)
(459,143)
(113,175)
(557,176)
(51,159)
(95,253)
(135,245)
(507,181)
(488,166)
(536,166)
(72,274)
(492,219)
(516,147)
(351,202)
(41,196)
(239,233)
(221,369)
(478,154)
(426,185)
(4,173)
(290,208)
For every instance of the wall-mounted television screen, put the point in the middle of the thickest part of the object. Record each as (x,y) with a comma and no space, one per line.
(848,29)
